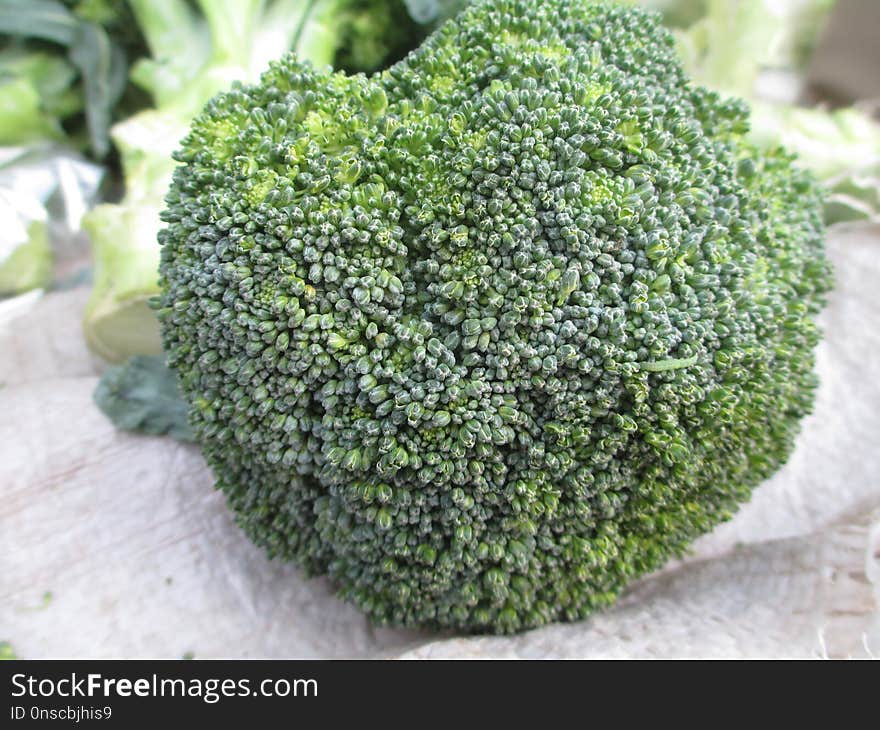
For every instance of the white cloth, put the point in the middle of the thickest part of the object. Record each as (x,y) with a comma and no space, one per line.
(114,545)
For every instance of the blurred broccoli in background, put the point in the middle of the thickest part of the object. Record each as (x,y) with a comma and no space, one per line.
(373,33)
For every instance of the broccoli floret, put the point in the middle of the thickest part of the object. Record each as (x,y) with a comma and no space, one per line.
(488,335)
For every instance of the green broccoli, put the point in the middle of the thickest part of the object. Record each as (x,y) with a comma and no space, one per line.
(488,335)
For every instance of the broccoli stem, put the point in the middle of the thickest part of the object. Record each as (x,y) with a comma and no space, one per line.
(659,366)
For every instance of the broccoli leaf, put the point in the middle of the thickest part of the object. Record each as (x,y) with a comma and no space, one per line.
(104,73)
(43,19)
(142,396)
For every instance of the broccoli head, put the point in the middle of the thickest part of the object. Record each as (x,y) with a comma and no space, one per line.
(487,335)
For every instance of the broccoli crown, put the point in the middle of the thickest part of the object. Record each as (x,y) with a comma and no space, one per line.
(487,335)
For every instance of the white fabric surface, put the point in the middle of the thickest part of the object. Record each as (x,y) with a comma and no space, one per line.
(141,556)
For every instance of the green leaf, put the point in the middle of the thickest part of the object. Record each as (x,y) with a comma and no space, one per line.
(43,19)
(142,396)
(104,70)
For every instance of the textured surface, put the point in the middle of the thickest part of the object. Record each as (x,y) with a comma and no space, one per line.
(103,520)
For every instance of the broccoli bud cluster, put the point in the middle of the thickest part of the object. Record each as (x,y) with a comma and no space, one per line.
(487,335)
